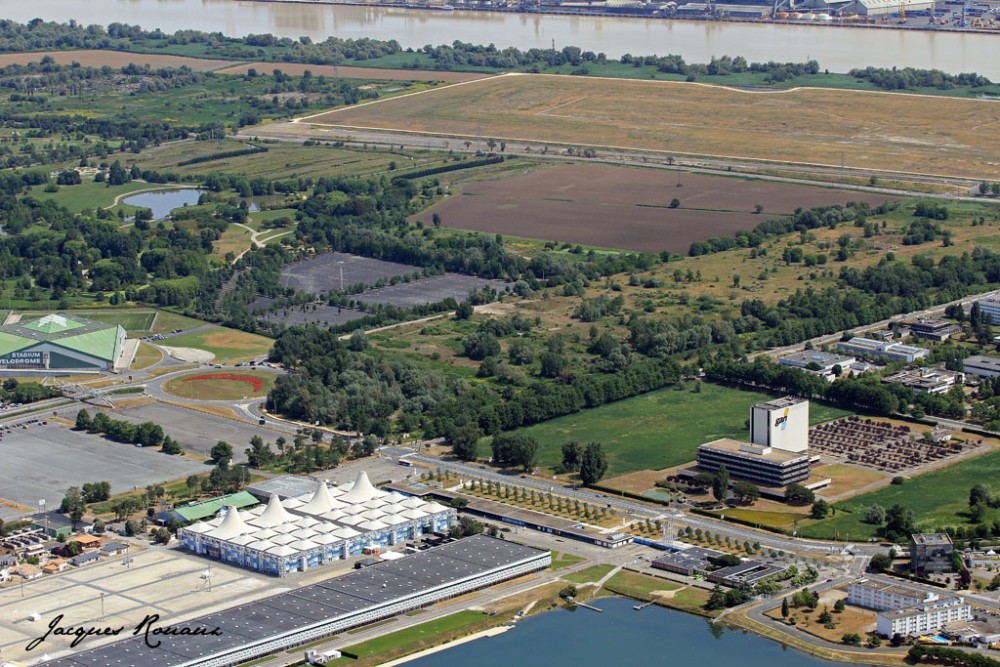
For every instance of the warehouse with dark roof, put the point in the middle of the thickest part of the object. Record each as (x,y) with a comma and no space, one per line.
(304,615)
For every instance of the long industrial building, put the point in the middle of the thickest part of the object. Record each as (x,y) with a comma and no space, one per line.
(297,534)
(305,615)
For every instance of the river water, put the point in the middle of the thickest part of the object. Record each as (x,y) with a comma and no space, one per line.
(619,635)
(836,49)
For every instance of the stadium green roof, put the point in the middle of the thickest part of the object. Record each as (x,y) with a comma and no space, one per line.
(98,339)
(206,508)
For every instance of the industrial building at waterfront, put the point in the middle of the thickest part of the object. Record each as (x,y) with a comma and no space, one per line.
(300,533)
(304,615)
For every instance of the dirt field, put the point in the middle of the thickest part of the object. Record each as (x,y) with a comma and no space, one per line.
(297,69)
(626,207)
(886,131)
(97,58)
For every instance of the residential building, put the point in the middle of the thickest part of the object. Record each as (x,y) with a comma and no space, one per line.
(887,350)
(933,329)
(931,552)
(885,594)
(55,565)
(925,618)
(114,549)
(27,572)
(86,541)
(927,380)
(981,366)
(85,559)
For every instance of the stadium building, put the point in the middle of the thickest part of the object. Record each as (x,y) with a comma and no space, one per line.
(60,342)
(301,533)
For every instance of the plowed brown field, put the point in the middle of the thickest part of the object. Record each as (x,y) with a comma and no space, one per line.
(626,207)
(889,131)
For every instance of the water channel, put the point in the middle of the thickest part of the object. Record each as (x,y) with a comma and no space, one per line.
(838,49)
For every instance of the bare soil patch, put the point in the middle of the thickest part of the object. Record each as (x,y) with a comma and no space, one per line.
(886,131)
(375,73)
(116,59)
(626,207)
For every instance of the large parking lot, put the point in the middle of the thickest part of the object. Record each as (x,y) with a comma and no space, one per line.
(43,461)
(197,431)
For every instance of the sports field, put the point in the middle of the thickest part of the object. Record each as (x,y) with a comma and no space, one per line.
(938,499)
(219,386)
(659,429)
(228,345)
(886,131)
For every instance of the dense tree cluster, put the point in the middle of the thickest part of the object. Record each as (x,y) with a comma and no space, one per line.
(908,78)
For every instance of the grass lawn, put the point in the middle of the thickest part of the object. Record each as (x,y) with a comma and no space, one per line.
(418,637)
(667,594)
(938,499)
(659,429)
(168,321)
(234,239)
(228,345)
(566,560)
(220,386)
(590,574)
(146,356)
(131,320)
(90,194)
(782,520)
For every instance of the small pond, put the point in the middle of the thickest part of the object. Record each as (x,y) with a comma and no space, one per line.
(162,202)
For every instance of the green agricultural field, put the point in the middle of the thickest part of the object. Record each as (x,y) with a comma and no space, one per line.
(938,499)
(590,574)
(660,429)
(228,345)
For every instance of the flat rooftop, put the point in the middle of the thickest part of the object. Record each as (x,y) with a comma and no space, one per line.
(815,356)
(986,363)
(695,557)
(780,403)
(287,486)
(931,539)
(734,447)
(891,587)
(286,613)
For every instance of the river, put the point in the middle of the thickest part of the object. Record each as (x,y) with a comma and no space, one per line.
(836,49)
(619,635)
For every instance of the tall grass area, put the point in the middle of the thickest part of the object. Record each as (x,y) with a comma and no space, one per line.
(660,429)
(938,499)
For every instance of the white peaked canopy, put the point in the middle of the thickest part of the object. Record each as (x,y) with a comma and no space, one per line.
(243,540)
(231,526)
(200,527)
(325,538)
(394,497)
(261,545)
(304,545)
(274,515)
(372,525)
(321,501)
(361,491)
(265,534)
(413,502)
(393,520)
(282,550)
(434,508)
(346,533)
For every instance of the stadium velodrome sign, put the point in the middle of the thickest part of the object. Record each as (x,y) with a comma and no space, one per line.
(29,359)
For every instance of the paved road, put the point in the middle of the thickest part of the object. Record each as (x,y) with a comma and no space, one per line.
(644,511)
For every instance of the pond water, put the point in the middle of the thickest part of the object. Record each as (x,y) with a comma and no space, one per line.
(162,202)
(617,636)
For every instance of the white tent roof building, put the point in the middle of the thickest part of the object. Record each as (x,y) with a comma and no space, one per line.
(327,524)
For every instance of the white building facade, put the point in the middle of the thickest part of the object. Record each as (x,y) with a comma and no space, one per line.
(923,619)
(297,534)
